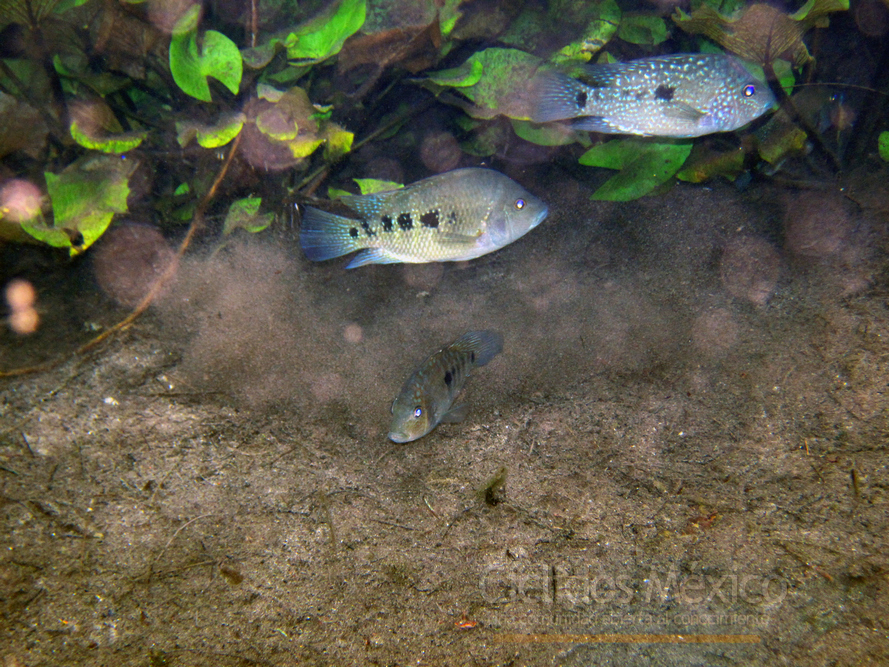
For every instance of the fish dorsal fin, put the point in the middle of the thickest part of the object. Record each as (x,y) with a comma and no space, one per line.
(683,111)
(602,75)
(367,206)
(481,345)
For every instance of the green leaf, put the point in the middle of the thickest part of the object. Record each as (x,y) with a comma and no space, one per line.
(467,74)
(210,136)
(597,34)
(325,34)
(244,214)
(85,197)
(705,163)
(643,165)
(218,57)
(548,134)
(883,145)
(339,142)
(643,29)
(117,144)
(370,186)
(503,85)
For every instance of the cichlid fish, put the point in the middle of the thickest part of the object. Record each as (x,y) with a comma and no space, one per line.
(425,399)
(457,215)
(683,95)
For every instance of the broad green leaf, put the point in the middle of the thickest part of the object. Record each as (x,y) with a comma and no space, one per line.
(642,29)
(244,214)
(182,189)
(94,125)
(448,16)
(704,164)
(760,33)
(883,145)
(218,57)
(324,35)
(467,74)
(370,186)
(117,144)
(276,124)
(85,197)
(210,136)
(644,165)
(304,146)
(597,34)
(503,86)
(548,134)
(338,142)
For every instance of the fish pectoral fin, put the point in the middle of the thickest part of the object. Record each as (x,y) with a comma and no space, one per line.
(683,111)
(372,256)
(455,415)
(459,239)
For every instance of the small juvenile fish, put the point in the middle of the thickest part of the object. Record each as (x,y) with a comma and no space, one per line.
(683,95)
(425,399)
(457,215)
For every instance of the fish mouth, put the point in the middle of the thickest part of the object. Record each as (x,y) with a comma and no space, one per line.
(400,437)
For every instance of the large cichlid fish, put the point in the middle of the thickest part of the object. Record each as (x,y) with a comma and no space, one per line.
(457,215)
(426,398)
(683,95)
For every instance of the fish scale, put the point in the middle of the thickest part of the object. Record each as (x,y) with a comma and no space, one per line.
(683,95)
(458,215)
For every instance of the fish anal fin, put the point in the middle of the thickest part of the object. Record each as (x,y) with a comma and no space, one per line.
(372,256)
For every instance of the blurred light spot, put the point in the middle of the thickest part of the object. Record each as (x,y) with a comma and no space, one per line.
(19,200)
(129,260)
(353,333)
(21,297)
(440,152)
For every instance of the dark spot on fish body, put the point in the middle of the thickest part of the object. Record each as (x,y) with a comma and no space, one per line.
(640,95)
(405,221)
(664,93)
(472,357)
(449,378)
(353,232)
(452,217)
(367,229)
(387,223)
(627,92)
(429,219)
(597,94)
(581,99)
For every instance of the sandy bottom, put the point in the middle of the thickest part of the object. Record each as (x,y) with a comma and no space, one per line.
(690,412)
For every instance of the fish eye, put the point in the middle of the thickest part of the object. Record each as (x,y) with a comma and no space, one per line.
(519,204)
(749,90)
(418,412)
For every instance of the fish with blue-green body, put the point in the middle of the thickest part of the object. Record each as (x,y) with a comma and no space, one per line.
(427,397)
(457,215)
(682,95)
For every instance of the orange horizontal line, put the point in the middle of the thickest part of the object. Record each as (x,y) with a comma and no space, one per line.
(626,639)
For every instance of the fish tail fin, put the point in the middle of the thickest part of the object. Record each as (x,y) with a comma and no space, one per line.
(324,235)
(484,344)
(558,97)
